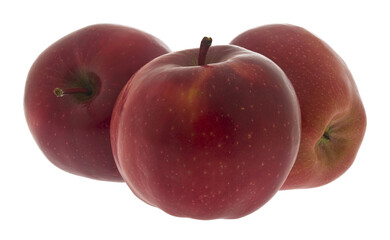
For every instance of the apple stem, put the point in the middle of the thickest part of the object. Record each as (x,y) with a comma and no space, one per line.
(204,47)
(60,92)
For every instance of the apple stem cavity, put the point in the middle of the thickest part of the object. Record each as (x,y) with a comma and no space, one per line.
(204,47)
(60,92)
(325,136)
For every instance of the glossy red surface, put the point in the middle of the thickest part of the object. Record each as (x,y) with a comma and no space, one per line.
(328,96)
(206,142)
(73,131)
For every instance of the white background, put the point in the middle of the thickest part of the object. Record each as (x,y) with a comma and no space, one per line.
(39,201)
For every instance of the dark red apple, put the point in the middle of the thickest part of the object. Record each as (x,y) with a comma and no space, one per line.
(206,138)
(333,116)
(88,68)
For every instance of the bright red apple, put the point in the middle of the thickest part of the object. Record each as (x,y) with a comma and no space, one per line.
(206,138)
(333,117)
(88,68)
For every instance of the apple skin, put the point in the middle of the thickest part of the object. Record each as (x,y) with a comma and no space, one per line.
(210,141)
(333,116)
(73,131)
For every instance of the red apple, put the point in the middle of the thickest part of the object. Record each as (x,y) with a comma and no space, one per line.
(88,68)
(333,117)
(206,138)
